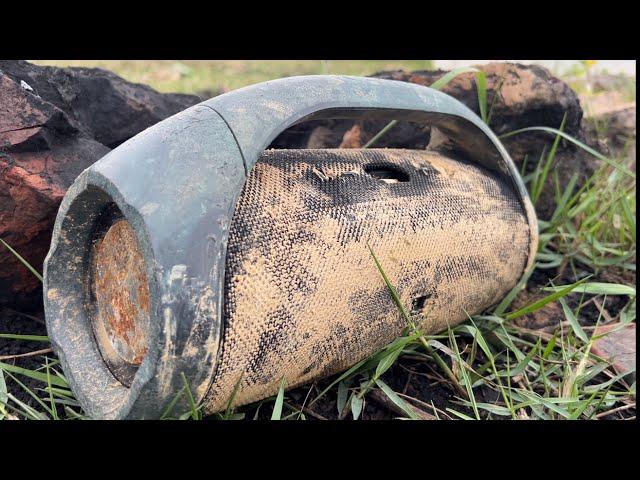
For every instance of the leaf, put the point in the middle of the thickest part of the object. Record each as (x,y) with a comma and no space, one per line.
(236,388)
(495,409)
(481,83)
(277,406)
(458,414)
(463,372)
(629,216)
(343,394)
(393,396)
(387,362)
(475,333)
(573,321)
(437,85)
(356,406)
(543,301)
(57,381)
(33,338)
(520,367)
(597,288)
(550,346)
(506,301)
(380,134)
(3,390)
(586,148)
(445,79)
(193,409)
(24,262)
(547,165)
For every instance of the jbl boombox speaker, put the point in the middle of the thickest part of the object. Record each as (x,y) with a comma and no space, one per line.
(191,254)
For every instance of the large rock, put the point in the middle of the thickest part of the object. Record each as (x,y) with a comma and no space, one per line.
(101,104)
(54,123)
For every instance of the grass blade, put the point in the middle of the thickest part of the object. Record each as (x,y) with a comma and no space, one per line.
(357,403)
(393,396)
(57,381)
(236,388)
(277,406)
(396,299)
(598,288)
(543,301)
(481,84)
(194,412)
(445,79)
(31,338)
(380,134)
(4,398)
(586,148)
(573,321)
(24,262)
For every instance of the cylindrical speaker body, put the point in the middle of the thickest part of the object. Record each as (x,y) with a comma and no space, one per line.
(303,296)
(191,256)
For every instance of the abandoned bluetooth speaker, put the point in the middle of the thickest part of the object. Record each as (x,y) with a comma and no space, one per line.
(191,254)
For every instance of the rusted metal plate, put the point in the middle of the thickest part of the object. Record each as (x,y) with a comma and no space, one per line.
(120,293)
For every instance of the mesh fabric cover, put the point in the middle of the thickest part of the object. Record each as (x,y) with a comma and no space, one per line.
(303,296)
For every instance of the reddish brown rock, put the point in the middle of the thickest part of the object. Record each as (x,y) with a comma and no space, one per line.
(54,123)
(40,155)
(522,95)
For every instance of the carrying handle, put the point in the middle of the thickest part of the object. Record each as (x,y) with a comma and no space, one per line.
(259,113)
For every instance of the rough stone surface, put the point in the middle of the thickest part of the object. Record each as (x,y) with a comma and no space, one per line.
(54,123)
(97,102)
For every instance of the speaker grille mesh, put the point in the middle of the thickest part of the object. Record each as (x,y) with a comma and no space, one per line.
(303,297)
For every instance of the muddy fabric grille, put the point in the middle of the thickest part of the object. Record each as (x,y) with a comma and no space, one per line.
(303,297)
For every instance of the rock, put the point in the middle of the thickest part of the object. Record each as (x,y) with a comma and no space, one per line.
(54,123)
(97,102)
(616,129)
(41,153)
(404,133)
(522,95)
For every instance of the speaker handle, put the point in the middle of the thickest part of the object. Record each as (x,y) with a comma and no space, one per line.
(257,114)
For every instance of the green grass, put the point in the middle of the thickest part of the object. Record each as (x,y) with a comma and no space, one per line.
(195,76)
(489,367)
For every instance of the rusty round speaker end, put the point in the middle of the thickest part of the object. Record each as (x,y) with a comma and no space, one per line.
(118,289)
(133,278)
(99,296)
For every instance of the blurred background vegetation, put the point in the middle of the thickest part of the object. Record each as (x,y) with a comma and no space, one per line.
(211,77)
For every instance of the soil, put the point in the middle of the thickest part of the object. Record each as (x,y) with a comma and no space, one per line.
(18,323)
(410,377)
